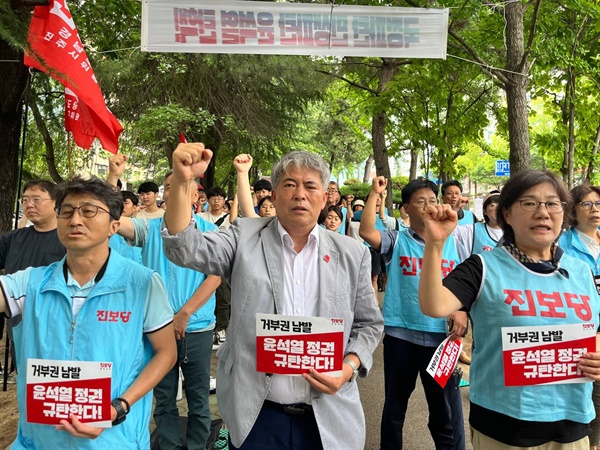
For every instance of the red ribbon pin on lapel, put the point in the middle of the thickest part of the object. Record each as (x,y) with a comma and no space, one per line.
(326,258)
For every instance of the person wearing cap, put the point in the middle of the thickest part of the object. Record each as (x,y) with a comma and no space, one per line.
(452,195)
(359,205)
(479,237)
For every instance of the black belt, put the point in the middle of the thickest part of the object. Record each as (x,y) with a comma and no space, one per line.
(295,409)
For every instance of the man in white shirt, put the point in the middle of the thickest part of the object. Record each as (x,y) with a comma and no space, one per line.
(286,265)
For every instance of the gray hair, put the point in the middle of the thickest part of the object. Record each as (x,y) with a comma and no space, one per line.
(300,159)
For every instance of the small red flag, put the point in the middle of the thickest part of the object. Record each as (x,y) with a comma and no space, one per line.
(55,48)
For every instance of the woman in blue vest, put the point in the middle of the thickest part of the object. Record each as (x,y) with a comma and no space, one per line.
(525,282)
(582,240)
(480,236)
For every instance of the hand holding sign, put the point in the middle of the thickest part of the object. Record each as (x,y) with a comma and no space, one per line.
(78,429)
(326,384)
(589,364)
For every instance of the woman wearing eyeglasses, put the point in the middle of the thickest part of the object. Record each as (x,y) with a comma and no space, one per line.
(525,282)
(582,241)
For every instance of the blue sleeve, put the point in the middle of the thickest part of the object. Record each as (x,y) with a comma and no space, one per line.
(140,227)
(158,312)
(14,288)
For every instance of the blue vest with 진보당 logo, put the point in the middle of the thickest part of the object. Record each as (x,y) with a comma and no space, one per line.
(48,331)
(181,283)
(482,241)
(502,302)
(401,305)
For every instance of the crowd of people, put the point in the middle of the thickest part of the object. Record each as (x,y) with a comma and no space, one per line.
(192,271)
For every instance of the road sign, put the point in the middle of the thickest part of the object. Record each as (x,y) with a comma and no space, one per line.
(502,168)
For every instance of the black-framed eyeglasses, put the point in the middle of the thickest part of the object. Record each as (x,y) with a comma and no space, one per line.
(553,207)
(87,211)
(588,205)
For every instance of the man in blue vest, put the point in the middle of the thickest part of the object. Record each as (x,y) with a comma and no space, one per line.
(411,337)
(58,310)
(452,195)
(192,297)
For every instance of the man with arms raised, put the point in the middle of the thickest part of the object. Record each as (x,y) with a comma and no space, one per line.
(58,311)
(191,295)
(286,265)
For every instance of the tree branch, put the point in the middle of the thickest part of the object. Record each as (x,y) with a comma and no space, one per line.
(488,69)
(350,82)
(531,36)
(43,129)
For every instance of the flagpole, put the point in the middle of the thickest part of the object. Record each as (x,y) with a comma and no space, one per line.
(7,341)
(23,133)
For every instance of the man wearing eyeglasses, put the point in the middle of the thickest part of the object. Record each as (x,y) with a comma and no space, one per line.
(33,246)
(411,337)
(37,245)
(60,310)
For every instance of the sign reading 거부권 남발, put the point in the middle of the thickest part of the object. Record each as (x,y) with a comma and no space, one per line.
(546,354)
(444,360)
(227,26)
(291,345)
(57,389)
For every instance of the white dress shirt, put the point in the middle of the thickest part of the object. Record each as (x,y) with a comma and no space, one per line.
(300,296)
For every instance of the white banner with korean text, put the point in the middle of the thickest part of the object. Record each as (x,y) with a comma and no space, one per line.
(248,27)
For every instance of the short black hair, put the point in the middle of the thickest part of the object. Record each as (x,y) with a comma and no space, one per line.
(95,187)
(42,185)
(495,198)
(266,198)
(415,185)
(337,210)
(148,186)
(262,184)
(450,183)
(216,191)
(522,181)
(128,195)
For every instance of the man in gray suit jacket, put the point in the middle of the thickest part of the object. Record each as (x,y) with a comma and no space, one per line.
(286,265)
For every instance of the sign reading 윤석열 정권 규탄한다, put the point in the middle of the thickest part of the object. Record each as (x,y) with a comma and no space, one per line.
(226,26)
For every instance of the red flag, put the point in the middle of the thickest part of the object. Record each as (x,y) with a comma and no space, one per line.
(55,47)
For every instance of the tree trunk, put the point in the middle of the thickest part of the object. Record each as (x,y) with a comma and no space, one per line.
(571,149)
(590,170)
(368,166)
(13,82)
(382,165)
(414,161)
(516,89)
